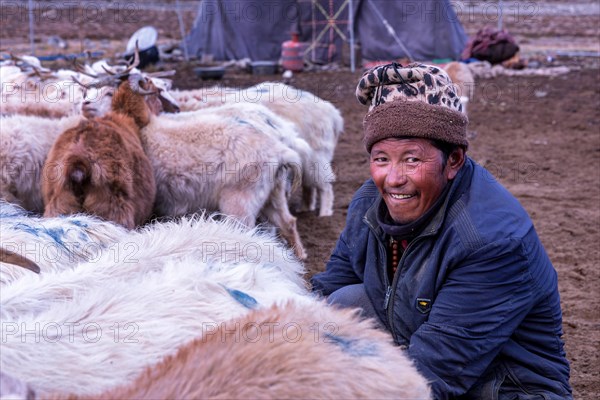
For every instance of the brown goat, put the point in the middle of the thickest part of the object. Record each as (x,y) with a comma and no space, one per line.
(99,167)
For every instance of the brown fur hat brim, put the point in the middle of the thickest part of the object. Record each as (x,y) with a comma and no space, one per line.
(405,118)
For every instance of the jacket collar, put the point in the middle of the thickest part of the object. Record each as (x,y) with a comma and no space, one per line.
(459,185)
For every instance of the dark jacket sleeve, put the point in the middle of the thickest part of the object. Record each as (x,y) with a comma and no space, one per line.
(482,301)
(339,271)
(347,262)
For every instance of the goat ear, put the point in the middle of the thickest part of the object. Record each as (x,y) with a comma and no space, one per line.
(141,85)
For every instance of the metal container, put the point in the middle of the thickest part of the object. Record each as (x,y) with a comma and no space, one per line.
(210,72)
(263,67)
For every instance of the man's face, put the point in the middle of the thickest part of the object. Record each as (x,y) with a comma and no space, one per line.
(410,175)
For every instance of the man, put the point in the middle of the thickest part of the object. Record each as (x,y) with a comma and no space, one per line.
(442,255)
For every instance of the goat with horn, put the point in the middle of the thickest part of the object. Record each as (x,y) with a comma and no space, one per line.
(99,167)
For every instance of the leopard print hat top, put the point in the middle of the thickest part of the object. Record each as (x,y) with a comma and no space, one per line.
(413,82)
(415,100)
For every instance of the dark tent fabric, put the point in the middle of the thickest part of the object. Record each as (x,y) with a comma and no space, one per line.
(427,29)
(233,29)
(386,29)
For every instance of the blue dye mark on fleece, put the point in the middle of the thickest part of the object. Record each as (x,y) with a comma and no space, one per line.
(10,213)
(27,228)
(269,122)
(355,348)
(78,223)
(242,298)
(8,210)
(242,121)
(57,235)
(81,224)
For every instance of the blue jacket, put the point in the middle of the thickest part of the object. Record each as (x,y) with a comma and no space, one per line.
(474,293)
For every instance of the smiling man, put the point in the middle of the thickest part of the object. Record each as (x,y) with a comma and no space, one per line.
(441,255)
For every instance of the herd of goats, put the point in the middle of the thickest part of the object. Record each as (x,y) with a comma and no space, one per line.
(201,302)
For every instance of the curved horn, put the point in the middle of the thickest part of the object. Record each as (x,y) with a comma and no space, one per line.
(126,71)
(134,84)
(42,74)
(106,81)
(79,67)
(109,71)
(136,58)
(10,257)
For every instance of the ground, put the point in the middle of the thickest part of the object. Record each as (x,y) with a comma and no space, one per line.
(540,137)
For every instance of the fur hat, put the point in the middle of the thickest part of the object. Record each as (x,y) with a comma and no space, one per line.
(413,101)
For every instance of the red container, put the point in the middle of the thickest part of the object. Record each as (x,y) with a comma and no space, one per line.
(292,54)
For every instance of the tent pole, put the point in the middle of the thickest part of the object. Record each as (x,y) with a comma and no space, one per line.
(500,6)
(351,21)
(182,31)
(31,33)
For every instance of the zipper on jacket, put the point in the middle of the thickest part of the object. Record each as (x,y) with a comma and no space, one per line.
(386,302)
(391,292)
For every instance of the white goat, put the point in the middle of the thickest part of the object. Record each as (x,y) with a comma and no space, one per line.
(262,118)
(461,76)
(317,121)
(50,94)
(219,162)
(54,244)
(52,98)
(294,351)
(246,325)
(120,308)
(26,141)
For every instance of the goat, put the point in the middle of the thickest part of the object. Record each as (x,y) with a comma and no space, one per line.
(264,119)
(291,351)
(54,244)
(221,163)
(461,76)
(318,122)
(246,323)
(296,348)
(100,167)
(287,351)
(26,141)
(188,274)
(50,95)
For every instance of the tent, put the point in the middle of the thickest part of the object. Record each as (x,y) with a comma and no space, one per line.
(385,29)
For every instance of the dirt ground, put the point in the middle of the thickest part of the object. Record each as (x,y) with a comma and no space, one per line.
(540,136)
